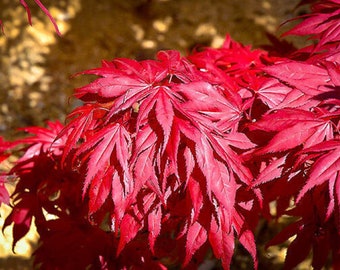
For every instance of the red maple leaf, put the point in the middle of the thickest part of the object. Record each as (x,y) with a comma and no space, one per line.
(293,128)
(322,24)
(325,167)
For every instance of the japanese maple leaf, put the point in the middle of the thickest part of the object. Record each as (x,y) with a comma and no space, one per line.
(127,82)
(209,106)
(297,99)
(83,119)
(222,242)
(111,142)
(129,229)
(271,171)
(269,90)
(121,88)
(326,166)
(196,237)
(220,182)
(300,246)
(322,24)
(334,194)
(21,217)
(62,237)
(306,77)
(162,100)
(154,226)
(312,231)
(222,238)
(44,139)
(232,57)
(293,127)
(143,162)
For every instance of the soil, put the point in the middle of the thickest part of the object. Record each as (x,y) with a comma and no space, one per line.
(36,65)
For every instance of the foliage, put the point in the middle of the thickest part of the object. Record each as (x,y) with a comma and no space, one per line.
(169,158)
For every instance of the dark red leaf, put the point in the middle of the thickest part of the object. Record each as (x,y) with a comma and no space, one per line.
(299,248)
(325,167)
(154,226)
(196,237)
(196,197)
(21,216)
(305,77)
(272,171)
(100,189)
(222,243)
(128,230)
(110,142)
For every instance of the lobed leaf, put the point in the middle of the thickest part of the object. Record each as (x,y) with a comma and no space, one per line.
(196,237)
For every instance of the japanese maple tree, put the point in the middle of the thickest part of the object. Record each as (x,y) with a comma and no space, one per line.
(168,159)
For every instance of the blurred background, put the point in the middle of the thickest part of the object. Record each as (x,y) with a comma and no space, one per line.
(36,65)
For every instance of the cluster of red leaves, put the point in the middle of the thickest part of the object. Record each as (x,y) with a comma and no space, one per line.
(169,158)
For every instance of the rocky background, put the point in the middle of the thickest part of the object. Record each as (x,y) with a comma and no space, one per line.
(36,65)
